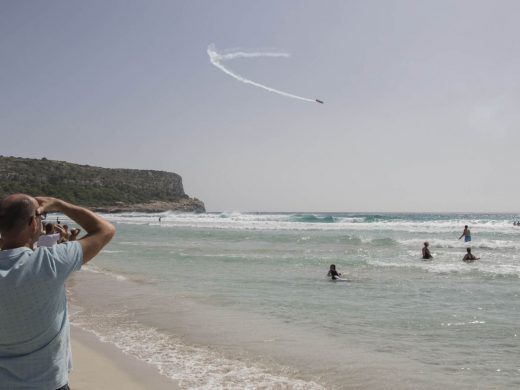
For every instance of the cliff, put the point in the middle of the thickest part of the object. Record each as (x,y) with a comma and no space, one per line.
(102,189)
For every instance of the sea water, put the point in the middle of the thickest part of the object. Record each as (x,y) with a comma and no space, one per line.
(241,300)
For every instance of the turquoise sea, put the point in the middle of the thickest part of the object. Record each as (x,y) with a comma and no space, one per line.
(241,300)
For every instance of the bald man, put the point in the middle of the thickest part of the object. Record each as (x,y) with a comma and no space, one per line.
(34,325)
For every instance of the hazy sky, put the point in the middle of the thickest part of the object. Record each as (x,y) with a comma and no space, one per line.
(421,99)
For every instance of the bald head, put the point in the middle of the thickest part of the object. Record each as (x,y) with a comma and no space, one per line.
(16,212)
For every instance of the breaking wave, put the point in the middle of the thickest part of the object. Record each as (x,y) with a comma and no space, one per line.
(412,223)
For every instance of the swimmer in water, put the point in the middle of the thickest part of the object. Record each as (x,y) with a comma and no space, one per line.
(469,257)
(333,273)
(426,255)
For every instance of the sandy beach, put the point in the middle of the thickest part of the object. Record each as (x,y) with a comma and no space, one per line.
(99,365)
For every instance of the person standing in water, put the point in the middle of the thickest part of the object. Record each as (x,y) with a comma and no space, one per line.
(426,255)
(466,234)
(333,273)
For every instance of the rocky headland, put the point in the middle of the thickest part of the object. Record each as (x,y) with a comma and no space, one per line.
(102,189)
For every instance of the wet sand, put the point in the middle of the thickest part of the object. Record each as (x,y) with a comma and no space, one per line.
(98,365)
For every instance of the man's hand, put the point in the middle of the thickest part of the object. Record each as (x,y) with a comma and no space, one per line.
(48,204)
(63,233)
(99,232)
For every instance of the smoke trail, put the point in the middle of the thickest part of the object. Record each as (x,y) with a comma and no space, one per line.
(217,59)
(241,54)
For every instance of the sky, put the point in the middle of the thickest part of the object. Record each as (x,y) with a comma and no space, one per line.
(421,108)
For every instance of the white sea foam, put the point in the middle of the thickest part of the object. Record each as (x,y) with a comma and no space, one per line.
(476,322)
(454,243)
(193,366)
(454,264)
(98,270)
(255,221)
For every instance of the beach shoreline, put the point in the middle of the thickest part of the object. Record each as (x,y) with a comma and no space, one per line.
(99,365)
(242,300)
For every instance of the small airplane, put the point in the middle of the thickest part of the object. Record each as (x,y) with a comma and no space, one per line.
(319,101)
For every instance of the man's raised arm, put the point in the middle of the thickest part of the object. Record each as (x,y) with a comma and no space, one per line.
(99,232)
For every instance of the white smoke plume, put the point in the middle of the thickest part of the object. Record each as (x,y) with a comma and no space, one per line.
(217,59)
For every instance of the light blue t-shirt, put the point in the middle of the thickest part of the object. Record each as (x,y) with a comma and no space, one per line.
(34,325)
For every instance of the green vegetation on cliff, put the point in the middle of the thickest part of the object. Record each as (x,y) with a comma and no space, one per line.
(91,186)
